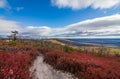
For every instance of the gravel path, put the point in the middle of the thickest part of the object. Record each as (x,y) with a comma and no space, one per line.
(41,70)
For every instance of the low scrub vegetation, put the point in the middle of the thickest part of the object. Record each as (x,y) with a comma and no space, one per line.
(85,66)
(16,57)
(15,62)
(68,49)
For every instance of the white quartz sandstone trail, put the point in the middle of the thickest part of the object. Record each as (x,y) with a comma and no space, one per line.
(41,70)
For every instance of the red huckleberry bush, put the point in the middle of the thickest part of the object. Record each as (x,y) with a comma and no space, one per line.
(15,62)
(85,66)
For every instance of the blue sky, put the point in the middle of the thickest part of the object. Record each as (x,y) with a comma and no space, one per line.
(56,17)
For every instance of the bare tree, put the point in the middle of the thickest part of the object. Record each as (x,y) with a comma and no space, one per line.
(14,33)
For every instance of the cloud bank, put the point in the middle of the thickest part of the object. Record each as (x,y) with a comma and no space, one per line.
(103,26)
(79,4)
(7,25)
(108,26)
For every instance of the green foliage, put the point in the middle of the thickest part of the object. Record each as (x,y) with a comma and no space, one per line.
(12,43)
(98,54)
(3,43)
(68,49)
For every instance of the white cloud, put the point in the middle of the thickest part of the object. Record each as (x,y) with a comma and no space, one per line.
(108,26)
(4,4)
(94,27)
(97,23)
(105,4)
(79,4)
(6,26)
(37,30)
